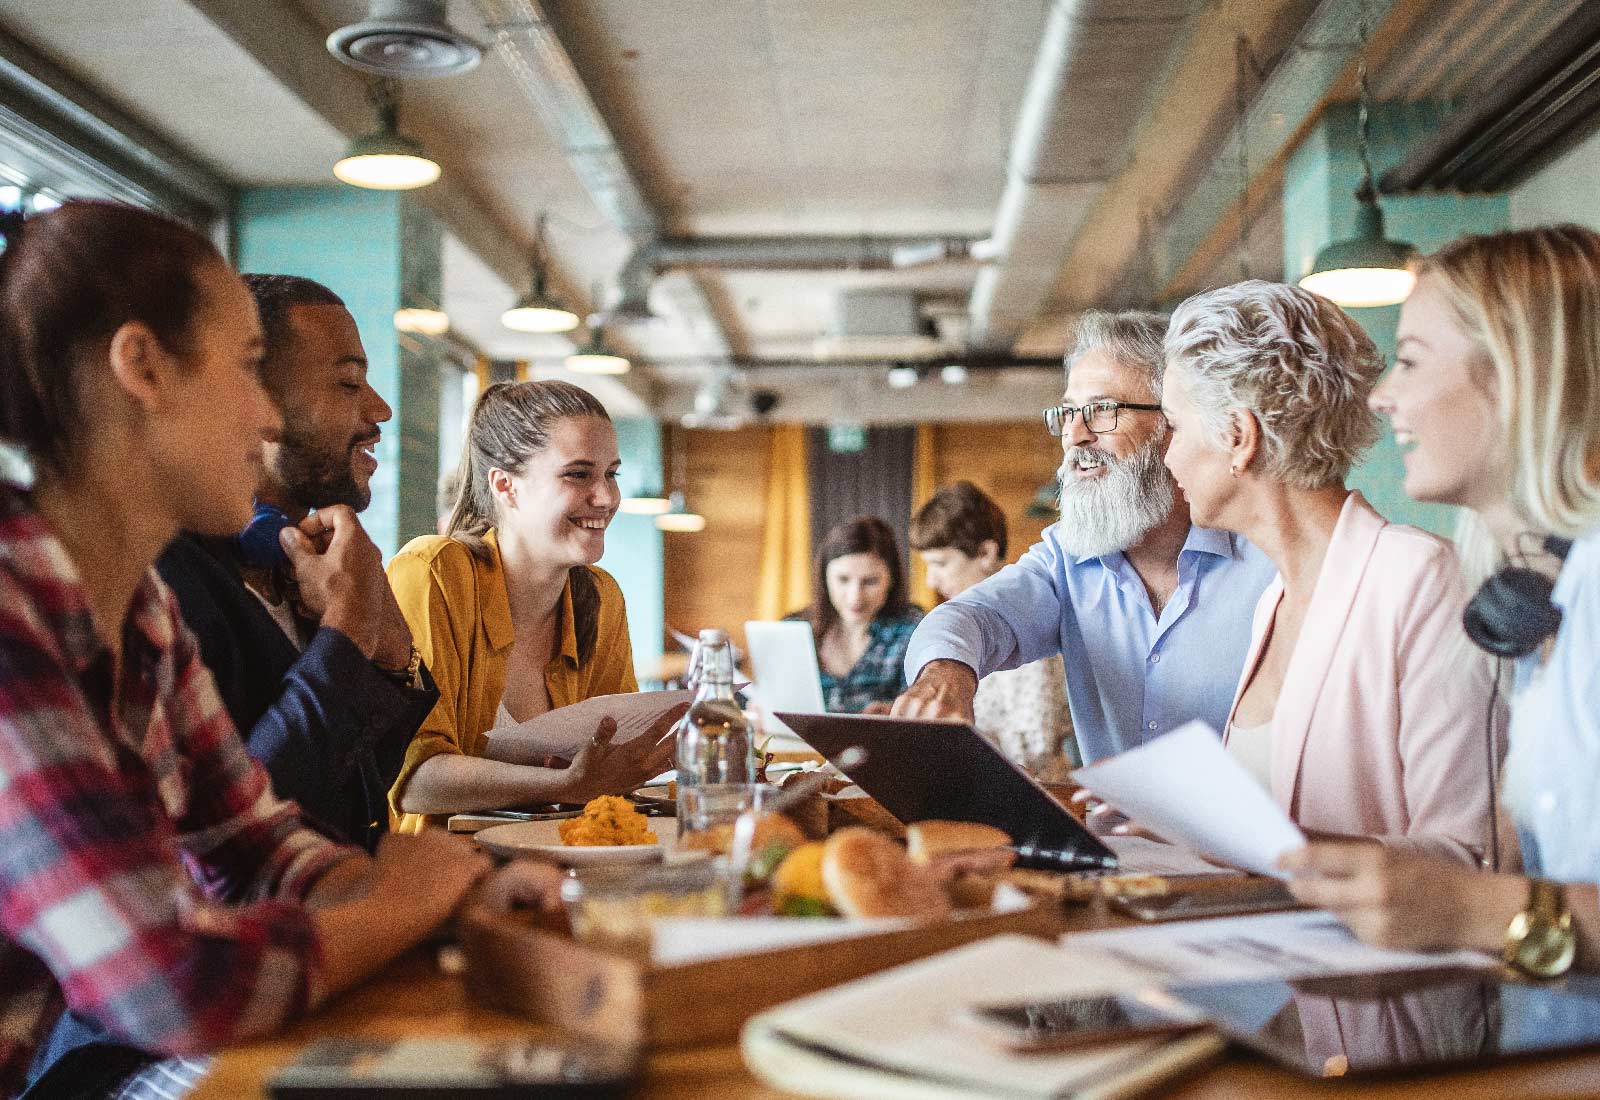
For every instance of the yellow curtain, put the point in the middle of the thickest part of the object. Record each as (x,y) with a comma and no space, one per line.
(785,582)
(924,481)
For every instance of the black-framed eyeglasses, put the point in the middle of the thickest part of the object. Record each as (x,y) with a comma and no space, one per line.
(1099,417)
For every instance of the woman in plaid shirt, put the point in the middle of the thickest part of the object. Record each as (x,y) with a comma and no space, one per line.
(861,617)
(149,879)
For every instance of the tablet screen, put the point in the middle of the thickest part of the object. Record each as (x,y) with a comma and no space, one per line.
(1386,1023)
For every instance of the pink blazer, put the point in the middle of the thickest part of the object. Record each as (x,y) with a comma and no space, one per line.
(1379,730)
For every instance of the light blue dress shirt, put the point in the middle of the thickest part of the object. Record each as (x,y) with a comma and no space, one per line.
(1553,764)
(1130,676)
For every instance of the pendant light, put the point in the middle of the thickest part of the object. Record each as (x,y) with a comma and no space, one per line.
(596,356)
(536,311)
(645,504)
(678,518)
(1367,269)
(386,160)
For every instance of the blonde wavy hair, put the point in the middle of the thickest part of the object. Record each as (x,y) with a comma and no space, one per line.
(1530,299)
(1295,360)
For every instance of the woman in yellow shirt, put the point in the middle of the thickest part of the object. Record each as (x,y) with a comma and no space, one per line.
(511,614)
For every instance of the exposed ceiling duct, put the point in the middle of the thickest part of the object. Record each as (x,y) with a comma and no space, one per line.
(1549,102)
(1092,53)
(405,38)
(543,69)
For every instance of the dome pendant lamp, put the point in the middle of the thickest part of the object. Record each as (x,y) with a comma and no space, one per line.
(1367,269)
(386,160)
(536,311)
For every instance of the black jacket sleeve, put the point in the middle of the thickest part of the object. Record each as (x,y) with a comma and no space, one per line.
(330,728)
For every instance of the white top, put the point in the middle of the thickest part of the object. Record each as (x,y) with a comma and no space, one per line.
(1024,711)
(1252,747)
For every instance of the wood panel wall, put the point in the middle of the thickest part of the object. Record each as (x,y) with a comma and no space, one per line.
(711,576)
(1009,460)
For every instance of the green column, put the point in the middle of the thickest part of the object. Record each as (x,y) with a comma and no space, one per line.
(633,545)
(376,250)
(1319,206)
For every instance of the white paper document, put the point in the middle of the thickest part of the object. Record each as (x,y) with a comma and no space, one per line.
(1271,946)
(564,730)
(1187,788)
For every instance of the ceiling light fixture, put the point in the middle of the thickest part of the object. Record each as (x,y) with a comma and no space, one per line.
(536,311)
(645,504)
(386,160)
(421,320)
(1367,269)
(596,356)
(678,518)
(953,374)
(903,378)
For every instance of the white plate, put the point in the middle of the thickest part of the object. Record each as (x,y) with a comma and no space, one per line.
(654,794)
(542,840)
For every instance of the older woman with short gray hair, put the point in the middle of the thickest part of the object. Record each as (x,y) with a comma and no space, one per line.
(1359,707)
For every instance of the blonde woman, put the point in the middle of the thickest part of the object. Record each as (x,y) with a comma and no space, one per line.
(511,614)
(1495,395)
(1358,706)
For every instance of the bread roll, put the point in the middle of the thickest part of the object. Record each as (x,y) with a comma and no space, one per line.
(927,840)
(868,875)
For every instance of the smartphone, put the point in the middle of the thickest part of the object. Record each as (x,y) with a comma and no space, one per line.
(1080,1021)
(1251,896)
(445,1068)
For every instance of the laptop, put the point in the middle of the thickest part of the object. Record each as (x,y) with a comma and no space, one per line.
(922,770)
(783,664)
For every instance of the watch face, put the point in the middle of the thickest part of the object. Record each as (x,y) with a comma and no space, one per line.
(1549,950)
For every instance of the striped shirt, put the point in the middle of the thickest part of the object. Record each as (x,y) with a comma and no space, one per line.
(149,879)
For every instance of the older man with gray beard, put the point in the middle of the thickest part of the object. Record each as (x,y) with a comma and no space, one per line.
(1152,615)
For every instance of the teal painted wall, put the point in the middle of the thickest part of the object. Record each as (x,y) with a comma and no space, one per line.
(1319,206)
(367,246)
(633,545)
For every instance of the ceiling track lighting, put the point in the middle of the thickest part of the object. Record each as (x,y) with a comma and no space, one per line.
(1368,269)
(537,311)
(386,160)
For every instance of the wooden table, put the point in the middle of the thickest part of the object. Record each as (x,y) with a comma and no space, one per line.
(413,997)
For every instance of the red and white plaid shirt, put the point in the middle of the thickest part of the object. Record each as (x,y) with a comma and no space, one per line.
(148,876)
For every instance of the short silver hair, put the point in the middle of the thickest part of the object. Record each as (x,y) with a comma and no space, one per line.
(1131,338)
(1294,359)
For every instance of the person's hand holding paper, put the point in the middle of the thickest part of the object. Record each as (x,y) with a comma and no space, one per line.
(564,731)
(1188,789)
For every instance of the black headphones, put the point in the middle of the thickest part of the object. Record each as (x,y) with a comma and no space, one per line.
(1512,614)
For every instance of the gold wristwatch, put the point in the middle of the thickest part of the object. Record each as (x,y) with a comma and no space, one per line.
(1540,941)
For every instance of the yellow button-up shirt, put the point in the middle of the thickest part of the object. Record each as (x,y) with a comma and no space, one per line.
(460,619)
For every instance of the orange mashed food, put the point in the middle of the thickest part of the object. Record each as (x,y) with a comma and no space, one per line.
(607,821)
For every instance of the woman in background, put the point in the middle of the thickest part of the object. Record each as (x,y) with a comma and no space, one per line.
(1495,396)
(1360,706)
(861,617)
(961,535)
(512,615)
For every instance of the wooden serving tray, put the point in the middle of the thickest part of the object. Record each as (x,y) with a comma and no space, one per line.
(530,966)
